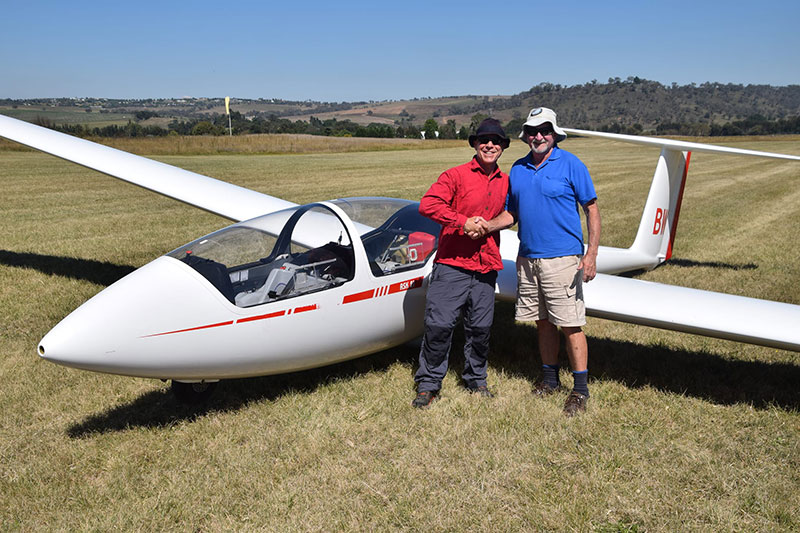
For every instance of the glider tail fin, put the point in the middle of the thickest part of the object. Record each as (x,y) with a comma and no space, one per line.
(656,235)
(657,228)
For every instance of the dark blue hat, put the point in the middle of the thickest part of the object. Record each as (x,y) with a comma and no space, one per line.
(490,126)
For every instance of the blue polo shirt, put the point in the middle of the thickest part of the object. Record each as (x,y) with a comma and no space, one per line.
(546,203)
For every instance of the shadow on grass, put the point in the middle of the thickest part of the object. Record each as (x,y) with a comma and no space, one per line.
(712,264)
(514,352)
(688,263)
(692,373)
(159,408)
(702,375)
(99,272)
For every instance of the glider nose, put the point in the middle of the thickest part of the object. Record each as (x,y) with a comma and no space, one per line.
(107,333)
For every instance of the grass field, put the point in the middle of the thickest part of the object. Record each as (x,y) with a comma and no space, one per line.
(682,433)
(267,144)
(68,115)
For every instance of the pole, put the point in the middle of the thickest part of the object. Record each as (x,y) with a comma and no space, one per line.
(228,112)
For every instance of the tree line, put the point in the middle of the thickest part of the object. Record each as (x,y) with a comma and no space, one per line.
(404,128)
(240,125)
(431,129)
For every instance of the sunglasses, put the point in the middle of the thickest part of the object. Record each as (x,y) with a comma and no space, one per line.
(544,131)
(497,141)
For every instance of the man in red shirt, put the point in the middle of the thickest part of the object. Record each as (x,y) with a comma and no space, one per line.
(465,270)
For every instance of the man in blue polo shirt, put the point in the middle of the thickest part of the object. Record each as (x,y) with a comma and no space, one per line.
(546,187)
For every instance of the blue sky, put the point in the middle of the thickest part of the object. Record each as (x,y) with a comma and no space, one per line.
(350,51)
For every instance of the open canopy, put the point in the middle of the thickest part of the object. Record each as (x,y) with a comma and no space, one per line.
(309,248)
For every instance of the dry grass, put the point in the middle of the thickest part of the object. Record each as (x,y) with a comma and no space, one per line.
(682,432)
(256,144)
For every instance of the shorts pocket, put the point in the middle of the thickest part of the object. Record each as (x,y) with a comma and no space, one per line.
(570,290)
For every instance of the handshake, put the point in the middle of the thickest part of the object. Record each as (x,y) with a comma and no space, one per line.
(476,227)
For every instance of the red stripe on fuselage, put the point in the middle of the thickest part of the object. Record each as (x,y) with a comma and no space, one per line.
(400,286)
(357,297)
(261,317)
(276,314)
(405,285)
(227,323)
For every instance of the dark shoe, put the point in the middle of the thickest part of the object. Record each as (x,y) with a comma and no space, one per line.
(481,390)
(425,398)
(576,403)
(542,389)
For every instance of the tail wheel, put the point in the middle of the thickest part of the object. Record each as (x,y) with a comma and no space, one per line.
(193,393)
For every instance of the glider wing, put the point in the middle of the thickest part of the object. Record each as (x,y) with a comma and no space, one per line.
(221,198)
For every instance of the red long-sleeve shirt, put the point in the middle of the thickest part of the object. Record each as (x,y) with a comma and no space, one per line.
(459,193)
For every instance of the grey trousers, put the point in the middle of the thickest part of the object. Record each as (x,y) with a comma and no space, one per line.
(451,291)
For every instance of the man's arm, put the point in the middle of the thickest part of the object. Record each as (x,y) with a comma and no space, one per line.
(589,261)
(483,227)
(504,220)
(437,203)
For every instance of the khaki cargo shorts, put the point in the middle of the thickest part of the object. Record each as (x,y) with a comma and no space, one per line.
(550,289)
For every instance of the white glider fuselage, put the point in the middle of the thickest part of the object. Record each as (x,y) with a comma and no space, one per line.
(284,312)
(165,321)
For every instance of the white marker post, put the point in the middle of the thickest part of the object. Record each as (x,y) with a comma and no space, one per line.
(228,112)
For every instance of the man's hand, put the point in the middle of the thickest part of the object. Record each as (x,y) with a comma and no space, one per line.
(476,227)
(589,265)
(589,261)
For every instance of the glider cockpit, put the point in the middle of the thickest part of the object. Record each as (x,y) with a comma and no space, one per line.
(352,271)
(309,248)
(403,241)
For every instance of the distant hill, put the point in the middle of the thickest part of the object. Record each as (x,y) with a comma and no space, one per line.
(634,105)
(598,105)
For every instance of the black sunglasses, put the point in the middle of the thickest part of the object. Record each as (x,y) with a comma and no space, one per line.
(490,138)
(543,130)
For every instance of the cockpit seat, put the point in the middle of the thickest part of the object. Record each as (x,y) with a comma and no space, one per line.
(277,284)
(214,272)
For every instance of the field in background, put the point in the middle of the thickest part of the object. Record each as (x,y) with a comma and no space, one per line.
(263,144)
(67,115)
(682,432)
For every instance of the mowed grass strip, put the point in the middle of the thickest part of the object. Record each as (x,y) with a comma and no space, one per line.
(682,432)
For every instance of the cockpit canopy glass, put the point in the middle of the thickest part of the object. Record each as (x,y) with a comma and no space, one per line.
(395,236)
(308,248)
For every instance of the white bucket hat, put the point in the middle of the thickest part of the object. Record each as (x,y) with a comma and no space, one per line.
(539,116)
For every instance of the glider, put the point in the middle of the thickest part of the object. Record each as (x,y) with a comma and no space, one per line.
(290,287)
